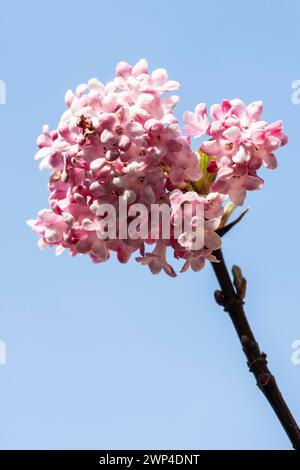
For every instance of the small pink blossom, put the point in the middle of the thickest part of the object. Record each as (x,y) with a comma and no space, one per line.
(196,124)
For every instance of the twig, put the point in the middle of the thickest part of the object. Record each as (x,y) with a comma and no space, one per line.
(224,229)
(231,298)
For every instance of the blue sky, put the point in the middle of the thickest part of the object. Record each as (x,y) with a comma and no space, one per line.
(108,356)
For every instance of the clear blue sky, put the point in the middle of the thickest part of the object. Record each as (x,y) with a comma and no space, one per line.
(108,356)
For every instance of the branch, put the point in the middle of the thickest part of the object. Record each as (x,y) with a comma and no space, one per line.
(225,228)
(231,298)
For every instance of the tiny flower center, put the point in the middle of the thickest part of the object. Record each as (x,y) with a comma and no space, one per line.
(119,130)
(229,146)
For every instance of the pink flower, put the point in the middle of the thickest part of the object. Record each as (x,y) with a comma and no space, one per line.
(157,260)
(239,141)
(209,221)
(196,260)
(51,227)
(120,145)
(196,124)
(237,186)
(119,141)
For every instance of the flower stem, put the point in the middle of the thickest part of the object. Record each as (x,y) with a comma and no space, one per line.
(233,303)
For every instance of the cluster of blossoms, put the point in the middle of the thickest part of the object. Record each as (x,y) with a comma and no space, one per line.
(122,142)
(239,144)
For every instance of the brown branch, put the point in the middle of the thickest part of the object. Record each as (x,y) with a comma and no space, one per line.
(231,298)
(223,230)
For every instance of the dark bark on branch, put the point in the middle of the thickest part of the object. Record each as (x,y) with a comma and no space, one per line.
(231,298)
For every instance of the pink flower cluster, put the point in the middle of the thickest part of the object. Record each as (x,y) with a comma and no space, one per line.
(239,144)
(121,141)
